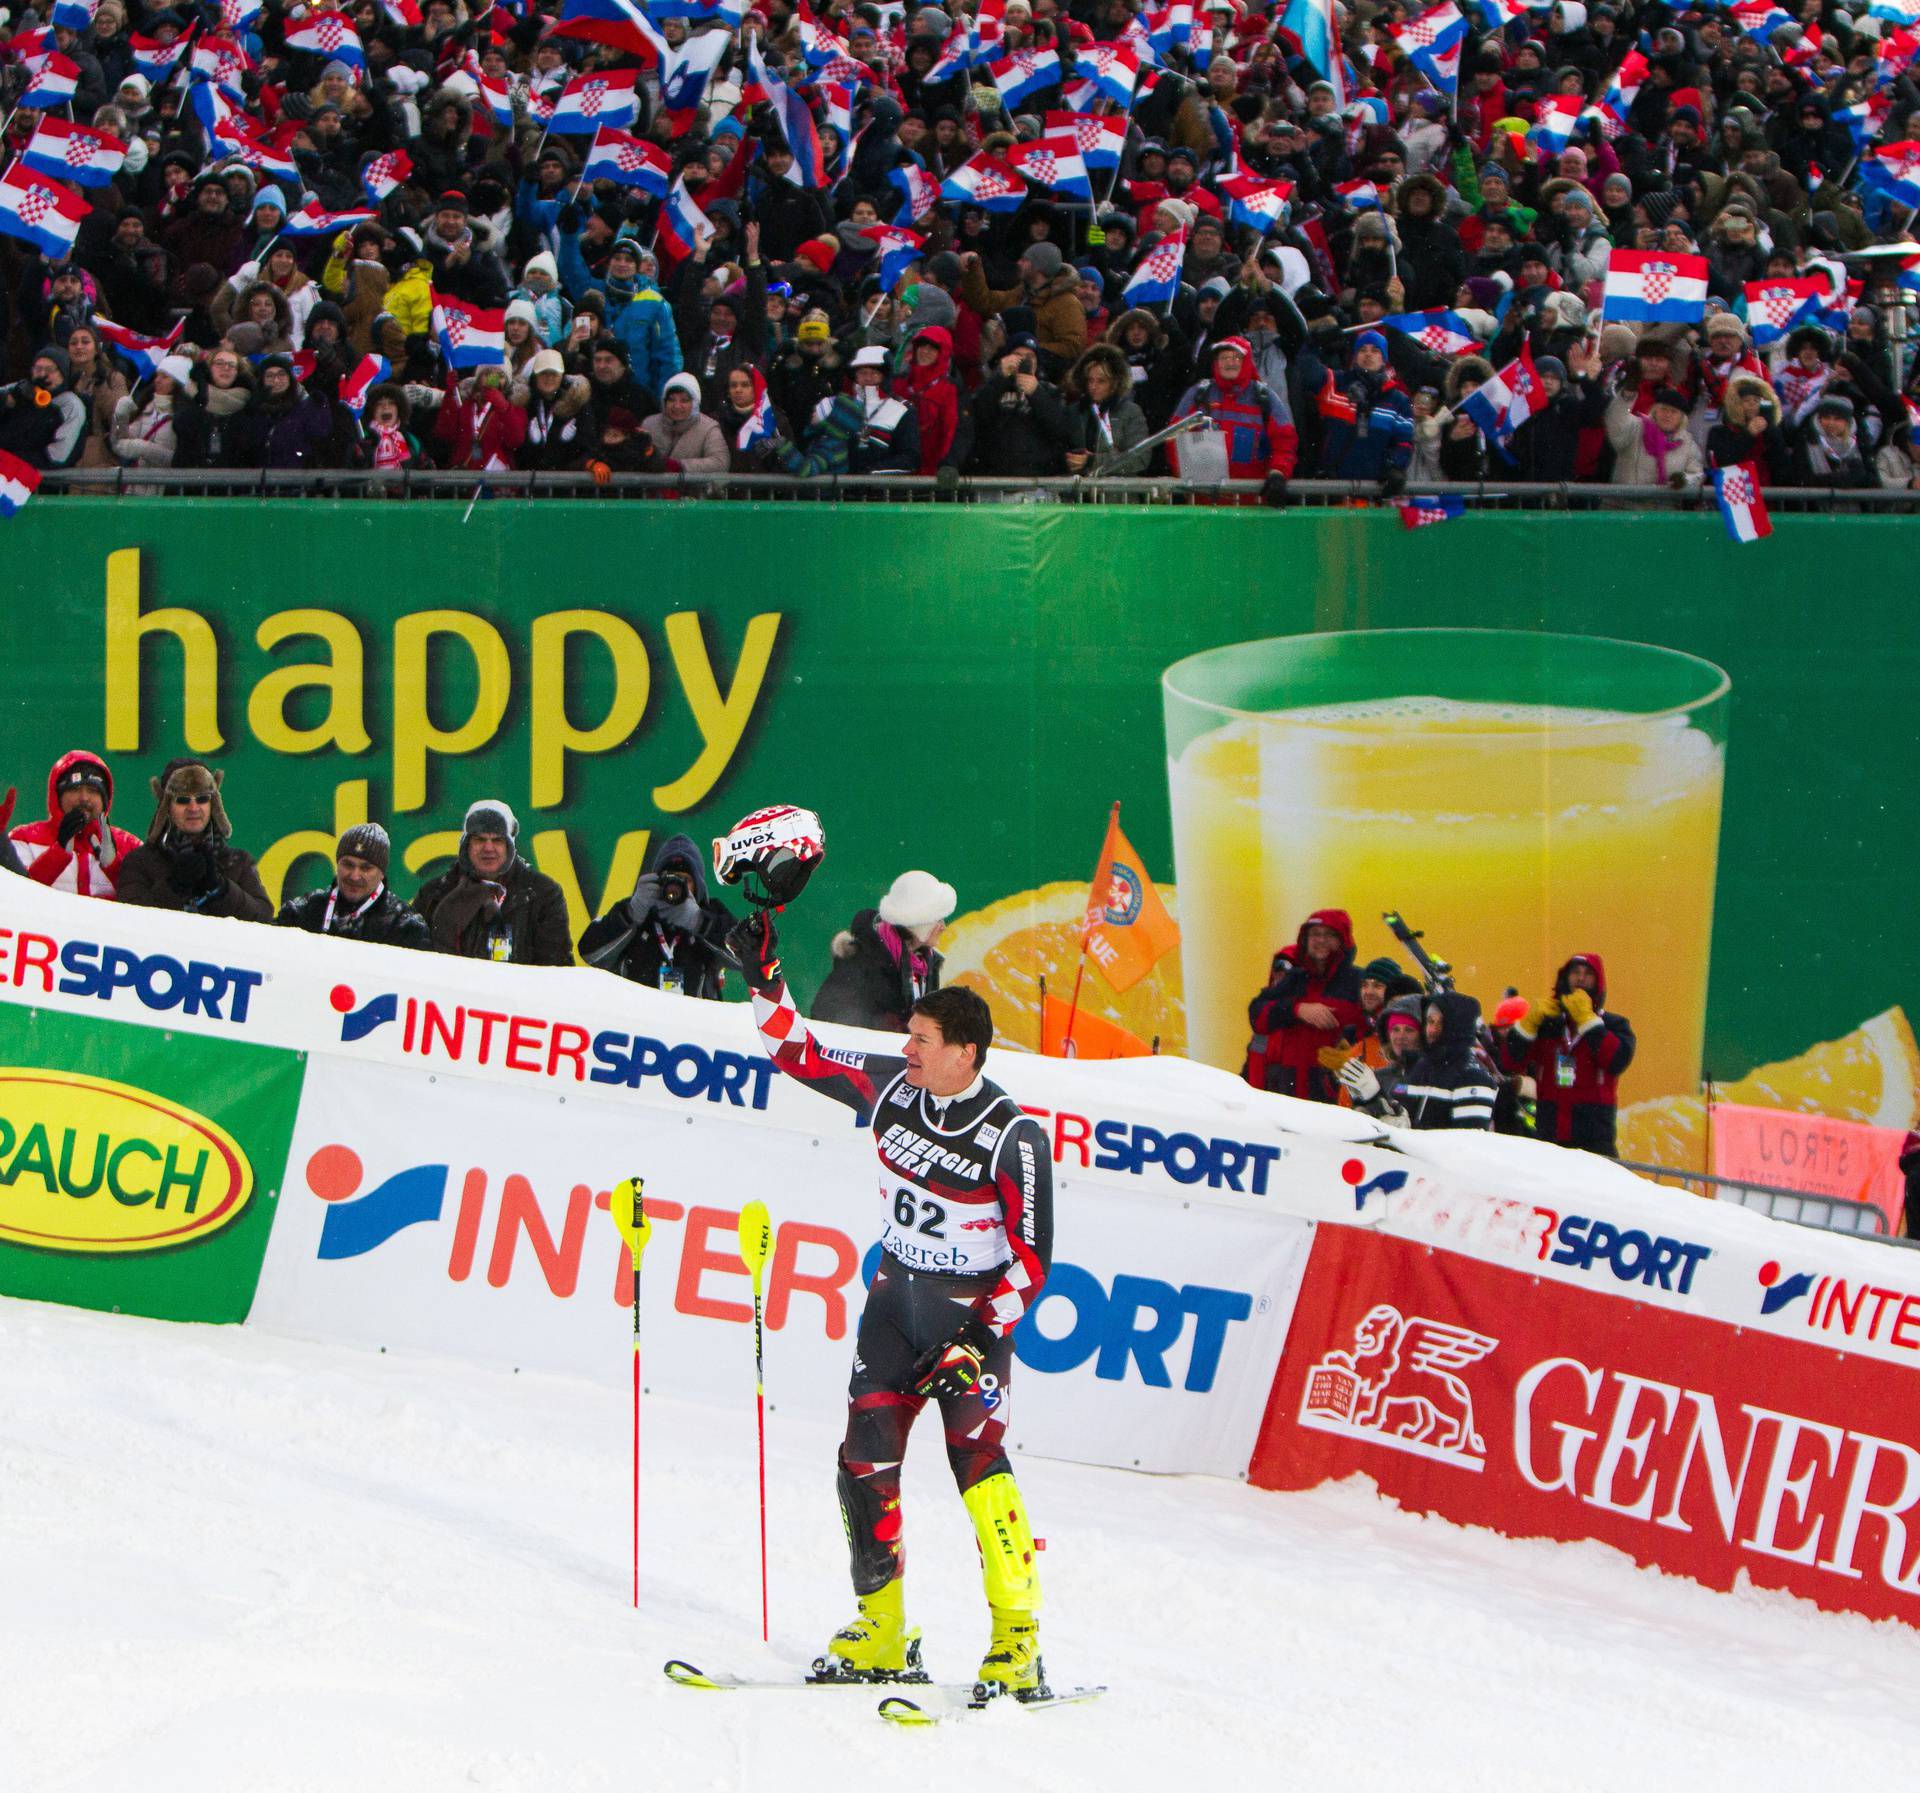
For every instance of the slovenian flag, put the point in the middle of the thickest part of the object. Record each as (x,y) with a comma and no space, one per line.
(328,34)
(384,173)
(355,387)
(623,24)
(587,102)
(684,227)
(899,250)
(77,153)
(1157,278)
(1060,170)
(1311,21)
(1255,202)
(986,181)
(1438,332)
(684,76)
(1737,491)
(1432,43)
(633,162)
(145,353)
(1650,286)
(18,483)
(1025,73)
(1418,513)
(1506,401)
(55,84)
(39,213)
(1096,138)
(470,335)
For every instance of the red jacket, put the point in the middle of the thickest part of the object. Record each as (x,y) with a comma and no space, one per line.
(1575,1072)
(1284,1054)
(94,870)
(932,394)
(1254,417)
(484,428)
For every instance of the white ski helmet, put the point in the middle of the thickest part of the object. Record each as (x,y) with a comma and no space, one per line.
(776,848)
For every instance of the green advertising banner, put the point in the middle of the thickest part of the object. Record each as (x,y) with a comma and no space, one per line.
(1711,786)
(139,1169)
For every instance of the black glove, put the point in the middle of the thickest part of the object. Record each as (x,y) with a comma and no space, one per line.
(946,482)
(192,869)
(1393,482)
(1273,494)
(752,945)
(571,217)
(74,822)
(949,1371)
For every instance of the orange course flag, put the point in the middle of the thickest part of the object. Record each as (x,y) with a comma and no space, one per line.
(1128,929)
(1093,1035)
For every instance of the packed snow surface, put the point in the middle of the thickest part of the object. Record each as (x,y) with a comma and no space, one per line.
(230,1563)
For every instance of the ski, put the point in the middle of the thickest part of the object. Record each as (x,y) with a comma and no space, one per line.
(899,1710)
(687,1674)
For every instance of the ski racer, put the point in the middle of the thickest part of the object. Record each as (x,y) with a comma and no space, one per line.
(966,1183)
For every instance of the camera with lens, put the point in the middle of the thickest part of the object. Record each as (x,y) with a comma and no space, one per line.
(675,888)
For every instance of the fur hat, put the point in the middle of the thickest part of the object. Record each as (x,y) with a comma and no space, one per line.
(489,815)
(917,900)
(188,776)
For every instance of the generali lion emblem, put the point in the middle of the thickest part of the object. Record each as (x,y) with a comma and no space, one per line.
(1397,1387)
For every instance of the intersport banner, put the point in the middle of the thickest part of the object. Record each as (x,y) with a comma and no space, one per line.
(1541,1410)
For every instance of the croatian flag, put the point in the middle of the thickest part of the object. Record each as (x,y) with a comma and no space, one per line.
(145,352)
(819,45)
(355,387)
(1506,401)
(1097,140)
(235,139)
(620,23)
(1759,18)
(955,54)
(730,13)
(899,250)
(1898,12)
(919,193)
(223,62)
(1261,204)
(1737,491)
(1864,121)
(986,181)
(1157,278)
(1359,196)
(1170,27)
(1892,169)
(1650,286)
(39,213)
(498,97)
(404,13)
(1897,50)
(1438,332)
(684,227)
(1106,72)
(77,153)
(18,483)
(1432,43)
(590,101)
(57,81)
(1057,169)
(1627,81)
(328,34)
(32,48)
(1501,13)
(1554,127)
(684,76)
(633,162)
(1311,21)
(384,173)
(156,60)
(1025,73)
(1774,307)
(237,15)
(312,220)
(74,15)
(470,336)
(1419,513)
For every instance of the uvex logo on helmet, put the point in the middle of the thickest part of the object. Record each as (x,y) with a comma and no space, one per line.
(95,1167)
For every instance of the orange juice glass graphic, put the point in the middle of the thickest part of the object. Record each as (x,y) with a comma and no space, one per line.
(1518,797)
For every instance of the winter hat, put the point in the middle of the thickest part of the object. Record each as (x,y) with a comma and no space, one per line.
(524,311)
(616,346)
(188,777)
(814,327)
(178,369)
(546,362)
(369,841)
(917,900)
(1833,405)
(819,253)
(1551,364)
(489,816)
(1370,339)
(1044,258)
(1616,342)
(871,356)
(1238,344)
(1724,323)
(682,383)
(543,263)
(1383,970)
(1216,288)
(268,195)
(84,774)
(1669,395)
(1484,290)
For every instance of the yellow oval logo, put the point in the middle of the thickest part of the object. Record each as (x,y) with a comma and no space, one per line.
(92,1166)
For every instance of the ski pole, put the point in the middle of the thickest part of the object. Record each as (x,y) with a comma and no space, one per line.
(630,1216)
(756,1238)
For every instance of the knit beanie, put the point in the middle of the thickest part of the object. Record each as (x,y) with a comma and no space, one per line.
(367,841)
(918,899)
(1382,970)
(1044,258)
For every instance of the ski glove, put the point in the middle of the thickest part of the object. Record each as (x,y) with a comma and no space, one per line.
(1579,1009)
(1540,1014)
(949,1371)
(645,899)
(752,945)
(74,822)
(1359,1081)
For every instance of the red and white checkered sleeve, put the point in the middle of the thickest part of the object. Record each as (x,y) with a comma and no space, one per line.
(854,1078)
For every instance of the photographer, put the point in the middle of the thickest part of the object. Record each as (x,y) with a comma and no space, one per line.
(1021,425)
(359,904)
(187,861)
(41,420)
(668,935)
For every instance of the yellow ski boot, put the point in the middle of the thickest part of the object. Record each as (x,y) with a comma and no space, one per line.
(1012,1664)
(876,1646)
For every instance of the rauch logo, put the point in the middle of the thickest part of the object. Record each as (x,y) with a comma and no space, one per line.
(1399,1387)
(94,1167)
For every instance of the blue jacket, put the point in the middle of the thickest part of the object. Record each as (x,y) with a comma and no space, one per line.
(638,315)
(1367,425)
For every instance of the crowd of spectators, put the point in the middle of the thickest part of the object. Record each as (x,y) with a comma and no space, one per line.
(1004,345)
(1328,1028)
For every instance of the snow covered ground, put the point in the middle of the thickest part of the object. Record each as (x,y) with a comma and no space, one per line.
(234,1564)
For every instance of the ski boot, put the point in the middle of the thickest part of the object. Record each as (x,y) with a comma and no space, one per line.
(1012,1664)
(876,1646)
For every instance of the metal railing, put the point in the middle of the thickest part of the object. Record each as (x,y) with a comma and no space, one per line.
(901,488)
(1830,1213)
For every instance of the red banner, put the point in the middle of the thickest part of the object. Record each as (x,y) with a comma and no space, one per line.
(1811,1152)
(1493,1399)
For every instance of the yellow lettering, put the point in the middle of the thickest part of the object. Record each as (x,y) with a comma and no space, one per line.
(342,677)
(554,734)
(199,721)
(349,811)
(722,721)
(415,733)
(553,854)
(424,849)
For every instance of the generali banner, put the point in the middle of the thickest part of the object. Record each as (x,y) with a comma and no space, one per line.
(1541,1410)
